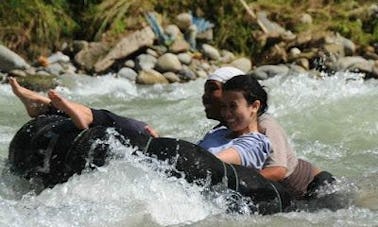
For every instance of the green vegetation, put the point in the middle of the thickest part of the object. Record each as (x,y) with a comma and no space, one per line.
(32,25)
(35,27)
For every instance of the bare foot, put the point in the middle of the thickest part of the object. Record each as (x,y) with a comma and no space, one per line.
(80,115)
(34,103)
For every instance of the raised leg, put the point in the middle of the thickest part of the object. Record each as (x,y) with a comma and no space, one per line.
(34,103)
(81,115)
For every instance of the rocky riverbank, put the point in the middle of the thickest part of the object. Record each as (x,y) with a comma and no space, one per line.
(181,51)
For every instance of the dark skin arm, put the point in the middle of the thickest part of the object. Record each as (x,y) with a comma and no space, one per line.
(274,173)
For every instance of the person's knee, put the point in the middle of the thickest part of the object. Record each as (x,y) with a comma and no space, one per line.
(320,180)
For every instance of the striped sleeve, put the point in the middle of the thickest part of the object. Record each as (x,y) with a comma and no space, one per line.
(253,149)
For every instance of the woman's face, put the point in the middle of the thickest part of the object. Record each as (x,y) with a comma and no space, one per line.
(212,99)
(239,116)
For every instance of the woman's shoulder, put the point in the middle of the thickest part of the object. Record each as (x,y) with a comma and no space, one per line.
(253,137)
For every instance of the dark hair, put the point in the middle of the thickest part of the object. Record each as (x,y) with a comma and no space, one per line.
(251,89)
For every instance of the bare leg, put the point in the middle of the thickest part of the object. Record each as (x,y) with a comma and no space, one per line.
(81,115)
(34,103)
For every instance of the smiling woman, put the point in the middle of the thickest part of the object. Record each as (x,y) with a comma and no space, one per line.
(242,144)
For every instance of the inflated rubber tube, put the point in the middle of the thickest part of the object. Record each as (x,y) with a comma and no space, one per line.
(198,164)
(51,149)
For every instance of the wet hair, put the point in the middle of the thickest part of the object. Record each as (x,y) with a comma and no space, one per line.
(251,89)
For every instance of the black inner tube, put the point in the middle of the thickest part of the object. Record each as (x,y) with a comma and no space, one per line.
(52,149)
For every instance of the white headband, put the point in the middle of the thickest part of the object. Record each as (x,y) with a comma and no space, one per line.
(225,73)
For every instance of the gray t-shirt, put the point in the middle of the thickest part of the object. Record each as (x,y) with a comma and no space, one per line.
(283,154)
(253,148)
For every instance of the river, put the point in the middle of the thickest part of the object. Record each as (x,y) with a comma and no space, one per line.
(332,122)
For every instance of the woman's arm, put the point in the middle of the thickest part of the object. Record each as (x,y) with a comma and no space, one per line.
(250,150)
(230,156)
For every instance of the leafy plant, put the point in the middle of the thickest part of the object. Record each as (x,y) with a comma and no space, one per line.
(34,22)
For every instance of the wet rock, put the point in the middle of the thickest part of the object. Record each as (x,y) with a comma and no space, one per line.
(360,65)
(168,62)
(348,63)
(127,73)
(9,60)
(151,76)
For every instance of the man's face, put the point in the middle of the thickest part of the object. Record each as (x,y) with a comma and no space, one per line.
(212,98)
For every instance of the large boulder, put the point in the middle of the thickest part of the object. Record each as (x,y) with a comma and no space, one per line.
(125,47)
(87,57)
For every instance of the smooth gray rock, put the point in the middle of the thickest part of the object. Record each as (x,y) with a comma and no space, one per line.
(9,60)
(151,76)
(127,73)
(168,63)
(266,71)
(210,52)
(145,61)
